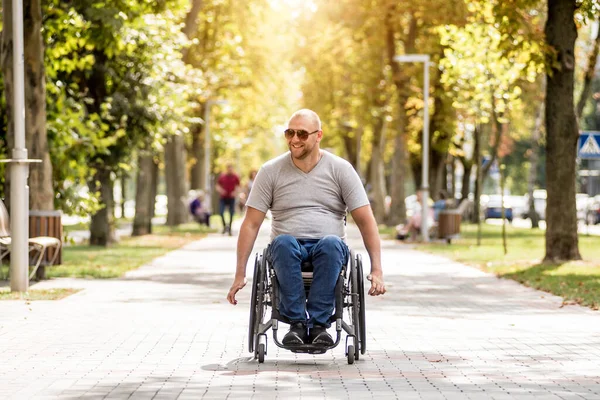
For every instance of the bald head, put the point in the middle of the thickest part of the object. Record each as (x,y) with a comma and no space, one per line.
(307,115)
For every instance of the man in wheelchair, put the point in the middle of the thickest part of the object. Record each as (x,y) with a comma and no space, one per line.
(308,191)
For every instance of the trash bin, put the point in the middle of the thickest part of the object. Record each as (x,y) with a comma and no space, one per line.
(449,224)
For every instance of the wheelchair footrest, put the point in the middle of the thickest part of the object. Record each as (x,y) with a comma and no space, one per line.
(308,348)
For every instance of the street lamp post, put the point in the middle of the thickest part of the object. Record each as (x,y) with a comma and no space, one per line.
(424,58)
(207,148)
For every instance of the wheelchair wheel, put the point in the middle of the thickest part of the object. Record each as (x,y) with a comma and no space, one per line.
(362,327)
(257,302)
(356,303)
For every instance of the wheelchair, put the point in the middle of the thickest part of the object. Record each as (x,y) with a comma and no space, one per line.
(349,296)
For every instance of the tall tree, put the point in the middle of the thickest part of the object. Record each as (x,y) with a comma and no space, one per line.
(400,80)
(175,151)
(175,180)
(145,193)
(41,193)
(562,242)
(196,154)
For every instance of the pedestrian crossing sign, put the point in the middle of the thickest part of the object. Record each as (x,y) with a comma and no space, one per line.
(588,146)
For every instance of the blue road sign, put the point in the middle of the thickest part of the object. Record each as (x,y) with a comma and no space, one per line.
(588,146)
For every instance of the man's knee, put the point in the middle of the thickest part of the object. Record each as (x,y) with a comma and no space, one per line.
(332,244)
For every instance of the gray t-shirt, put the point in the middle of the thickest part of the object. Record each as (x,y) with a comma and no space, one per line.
(307,206)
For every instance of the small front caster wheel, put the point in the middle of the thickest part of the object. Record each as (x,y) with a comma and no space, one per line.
(351,354)
(261,353)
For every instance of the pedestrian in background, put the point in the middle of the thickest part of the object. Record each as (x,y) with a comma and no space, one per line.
(198,209)
(227,185)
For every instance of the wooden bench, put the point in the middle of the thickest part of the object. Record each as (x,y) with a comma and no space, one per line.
(45,239)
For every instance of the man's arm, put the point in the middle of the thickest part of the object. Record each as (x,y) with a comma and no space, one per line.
(363,216)
(246,238)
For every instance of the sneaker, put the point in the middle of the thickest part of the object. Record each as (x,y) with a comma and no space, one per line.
(296,334)
(319,335)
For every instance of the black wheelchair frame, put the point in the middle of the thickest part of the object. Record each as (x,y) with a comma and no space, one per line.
(349,294)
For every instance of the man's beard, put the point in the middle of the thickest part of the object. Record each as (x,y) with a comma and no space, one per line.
(305,152)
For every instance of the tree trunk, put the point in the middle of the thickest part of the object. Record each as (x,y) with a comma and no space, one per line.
(478,177)
(398,176)
(144,199)
(466,178)
(562,133)
(41,193)
(197,156)
(452,193)
(6,60)
(534,161)
(440,138)
(398,208)
(377,170)
(436,174)
(197,170)
(123,192)
(498,128)
(589,76)
(154,187)
(350,143)
(416,164)
(102,224)
(175,179)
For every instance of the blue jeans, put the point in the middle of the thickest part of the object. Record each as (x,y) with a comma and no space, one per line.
(227,203)
(328,255)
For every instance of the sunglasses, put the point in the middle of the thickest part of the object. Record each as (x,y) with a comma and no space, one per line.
(301,133)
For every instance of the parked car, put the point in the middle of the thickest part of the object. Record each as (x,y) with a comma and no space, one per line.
(593,210)
(518,204)
(493,208)
(582,201)
(539,204)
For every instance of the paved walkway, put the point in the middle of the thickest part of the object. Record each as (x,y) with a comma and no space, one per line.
(165,331)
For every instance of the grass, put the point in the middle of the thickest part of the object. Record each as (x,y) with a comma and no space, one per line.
(83,261)
(32,295)
(575,281)
(84,226)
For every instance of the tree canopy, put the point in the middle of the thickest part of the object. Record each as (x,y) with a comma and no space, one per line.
(124,76)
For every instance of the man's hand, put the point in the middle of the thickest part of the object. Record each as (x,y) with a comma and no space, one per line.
(377,285)
(238,284)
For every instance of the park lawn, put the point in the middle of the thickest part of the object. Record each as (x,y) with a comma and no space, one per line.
(84,261)
(575,281)
(37,294)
